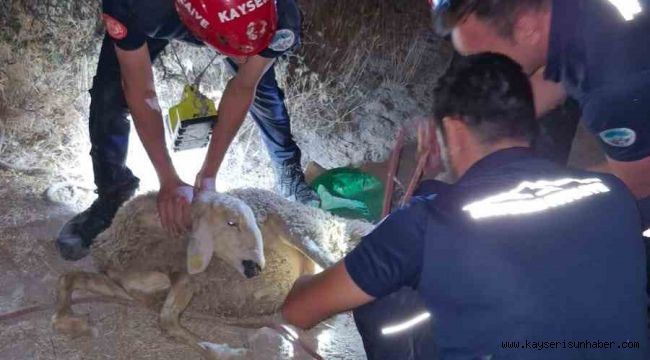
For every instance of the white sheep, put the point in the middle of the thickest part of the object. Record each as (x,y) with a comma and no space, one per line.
(251,232)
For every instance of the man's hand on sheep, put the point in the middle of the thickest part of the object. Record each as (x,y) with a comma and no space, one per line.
(204,183)
(174,199)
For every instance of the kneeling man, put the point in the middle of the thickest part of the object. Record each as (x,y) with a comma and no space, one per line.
(519,252)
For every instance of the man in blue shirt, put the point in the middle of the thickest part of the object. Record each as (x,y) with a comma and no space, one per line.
(590,50)
(518,251)
(137,31)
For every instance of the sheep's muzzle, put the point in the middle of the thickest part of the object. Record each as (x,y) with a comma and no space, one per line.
(251,268)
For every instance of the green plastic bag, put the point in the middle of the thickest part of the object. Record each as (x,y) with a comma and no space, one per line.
(350,193)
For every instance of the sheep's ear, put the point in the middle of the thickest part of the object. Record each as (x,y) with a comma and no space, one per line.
(199,254)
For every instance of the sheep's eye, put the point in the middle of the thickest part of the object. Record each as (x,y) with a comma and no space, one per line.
(232,223)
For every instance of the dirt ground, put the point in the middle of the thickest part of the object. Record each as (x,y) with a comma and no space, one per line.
(30,266)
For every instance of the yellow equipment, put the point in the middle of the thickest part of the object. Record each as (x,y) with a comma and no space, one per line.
(190,122)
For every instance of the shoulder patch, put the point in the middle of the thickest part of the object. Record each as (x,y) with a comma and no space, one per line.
(619,137)
(114,28)
(283,40)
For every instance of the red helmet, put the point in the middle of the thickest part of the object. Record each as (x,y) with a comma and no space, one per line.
(233,27)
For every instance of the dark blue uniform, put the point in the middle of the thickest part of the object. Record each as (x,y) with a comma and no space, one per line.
(604,63)
(132,23)
(518,250)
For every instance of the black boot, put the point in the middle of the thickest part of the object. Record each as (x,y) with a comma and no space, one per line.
(77,235)
(290,183)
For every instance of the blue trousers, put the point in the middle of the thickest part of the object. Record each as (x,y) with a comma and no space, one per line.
(416,343)
(270,114)
(109,127)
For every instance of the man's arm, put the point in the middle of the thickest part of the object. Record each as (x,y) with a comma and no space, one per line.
(315,298)
(387,259)
(140,93)
(547,94)
(235,103)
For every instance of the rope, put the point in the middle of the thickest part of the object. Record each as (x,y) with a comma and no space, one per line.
(280,329)
(178,60)
(198,78)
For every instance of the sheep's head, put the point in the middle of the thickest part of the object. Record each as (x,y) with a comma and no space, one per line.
(225,226)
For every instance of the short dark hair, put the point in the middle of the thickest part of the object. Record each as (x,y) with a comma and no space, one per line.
(502,14)
(491,94)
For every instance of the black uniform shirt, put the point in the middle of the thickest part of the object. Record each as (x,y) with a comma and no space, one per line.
(519,252)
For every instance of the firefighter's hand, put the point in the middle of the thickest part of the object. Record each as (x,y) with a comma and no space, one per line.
(174,200)
(204,183)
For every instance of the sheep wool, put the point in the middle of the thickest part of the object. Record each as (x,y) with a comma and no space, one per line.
(136,242)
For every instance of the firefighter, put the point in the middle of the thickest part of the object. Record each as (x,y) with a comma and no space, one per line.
(519,251)
(252,34)
(588,50)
